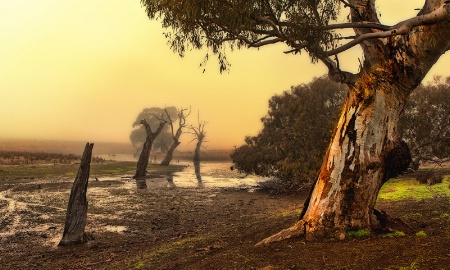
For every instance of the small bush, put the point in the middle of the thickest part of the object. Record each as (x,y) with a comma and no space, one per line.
(430,177)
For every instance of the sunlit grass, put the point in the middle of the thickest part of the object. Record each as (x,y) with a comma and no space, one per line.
(359,233)
(421,234)
(400,188)
(395,234)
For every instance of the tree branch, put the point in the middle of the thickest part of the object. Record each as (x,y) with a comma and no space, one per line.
(439,15)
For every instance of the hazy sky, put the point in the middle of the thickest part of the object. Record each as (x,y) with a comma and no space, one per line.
(84,69)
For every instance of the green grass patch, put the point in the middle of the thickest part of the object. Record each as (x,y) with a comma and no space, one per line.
(412,266)
(359,233)
(421,234)
(395,234)
(399,188)
(70,170)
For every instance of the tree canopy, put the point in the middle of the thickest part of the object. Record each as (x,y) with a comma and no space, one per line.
(308,25)
(396,58)
(151,115)
(425,122)
(295,134)
(299,124)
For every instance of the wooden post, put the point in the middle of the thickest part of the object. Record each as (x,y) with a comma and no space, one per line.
(77,207)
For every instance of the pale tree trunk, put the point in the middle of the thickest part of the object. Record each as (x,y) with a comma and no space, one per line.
(359,158)
(354,166)
(144,157)
(77,207)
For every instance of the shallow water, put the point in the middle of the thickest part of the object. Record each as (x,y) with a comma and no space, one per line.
(212,175)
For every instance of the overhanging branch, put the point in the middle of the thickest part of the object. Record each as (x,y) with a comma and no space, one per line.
(439,15)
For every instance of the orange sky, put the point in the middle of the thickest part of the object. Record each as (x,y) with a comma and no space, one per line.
(84,69)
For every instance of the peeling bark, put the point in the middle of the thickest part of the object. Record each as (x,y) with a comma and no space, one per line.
(76,215)
(355,164)
(361,155)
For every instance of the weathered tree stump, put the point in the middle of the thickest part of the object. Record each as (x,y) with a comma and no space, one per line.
(76,215)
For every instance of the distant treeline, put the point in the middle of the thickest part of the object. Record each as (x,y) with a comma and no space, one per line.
(24,157)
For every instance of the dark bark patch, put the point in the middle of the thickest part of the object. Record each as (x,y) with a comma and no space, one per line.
(390,224)
(397,161)
(350,131)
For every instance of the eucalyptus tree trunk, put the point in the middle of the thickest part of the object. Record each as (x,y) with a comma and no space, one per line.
(144,157)
(360,156)
(197,149)
(354,167)
(169,156)
(77,207)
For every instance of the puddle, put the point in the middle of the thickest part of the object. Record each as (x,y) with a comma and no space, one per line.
(214,175)
(115,229)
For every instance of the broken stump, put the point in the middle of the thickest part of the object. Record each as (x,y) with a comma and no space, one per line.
(76,215)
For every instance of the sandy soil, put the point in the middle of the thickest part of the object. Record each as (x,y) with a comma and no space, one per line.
(199,228)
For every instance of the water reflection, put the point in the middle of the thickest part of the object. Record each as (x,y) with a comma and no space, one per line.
(141,183)
(208,174)
(170,183)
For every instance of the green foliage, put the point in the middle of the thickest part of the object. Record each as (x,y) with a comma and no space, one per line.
(295,134)
(359,233)
(400,188)
(212,23)
(425,122)
(138,135)
(395,234)
(421,234)
(299,123)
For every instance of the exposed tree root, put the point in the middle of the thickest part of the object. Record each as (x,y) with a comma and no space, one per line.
(295,231)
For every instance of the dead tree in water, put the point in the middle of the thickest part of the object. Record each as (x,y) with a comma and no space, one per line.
(199,133)
(77,207)
(175,134)
(145,154)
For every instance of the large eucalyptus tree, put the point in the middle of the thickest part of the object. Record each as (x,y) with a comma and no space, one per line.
(396,59)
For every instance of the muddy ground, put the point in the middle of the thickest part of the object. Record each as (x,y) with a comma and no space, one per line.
(200,228)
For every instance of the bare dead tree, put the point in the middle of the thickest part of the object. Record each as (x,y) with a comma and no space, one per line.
(145,153)
(176,134)
(77,207)
(200,134)
(396,59)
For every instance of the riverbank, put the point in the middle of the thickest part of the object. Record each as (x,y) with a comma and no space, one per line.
(166,227)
